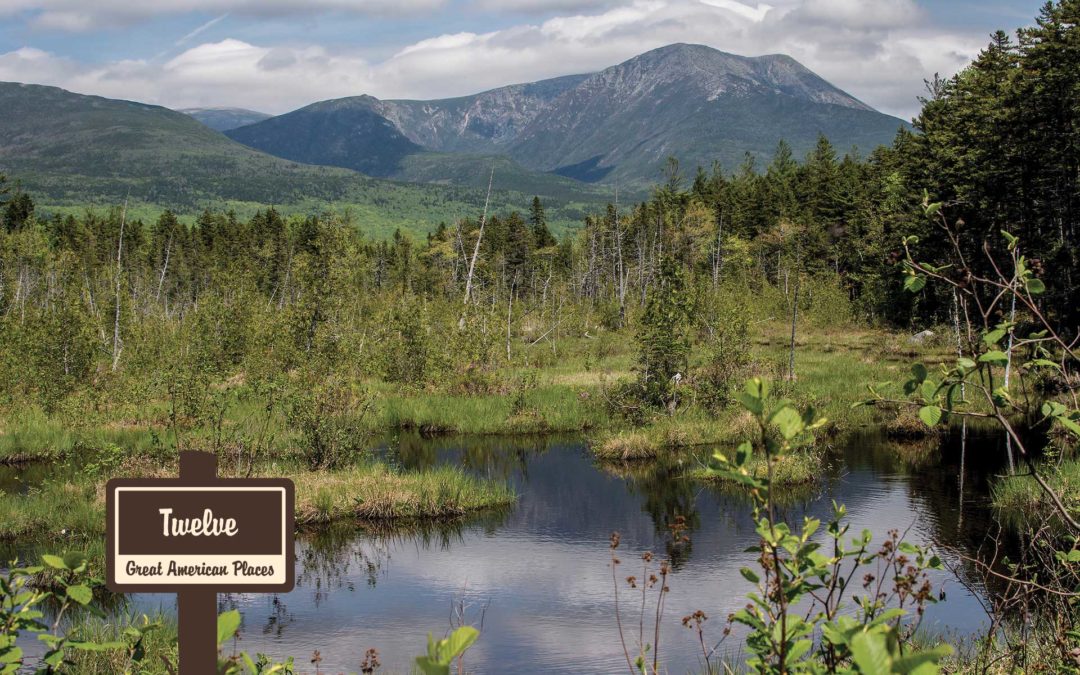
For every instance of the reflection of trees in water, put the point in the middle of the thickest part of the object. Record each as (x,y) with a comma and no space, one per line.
(666,496)
(492,456)
(330,558)
(949,482)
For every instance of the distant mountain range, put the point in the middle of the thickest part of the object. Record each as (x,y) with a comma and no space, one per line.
(621,124)
(554,138)
(223,119)
(72,151)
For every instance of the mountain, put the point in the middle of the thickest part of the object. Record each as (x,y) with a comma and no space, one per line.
(50,137)
(71,151)
(618,125)
(343,132)
(481,123)
(698,104)
(223,119)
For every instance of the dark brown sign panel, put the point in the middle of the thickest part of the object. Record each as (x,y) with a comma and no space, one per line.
(171,535)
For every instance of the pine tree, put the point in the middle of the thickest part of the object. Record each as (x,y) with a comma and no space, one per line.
(542,236)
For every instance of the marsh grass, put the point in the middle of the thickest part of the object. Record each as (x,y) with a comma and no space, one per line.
(1020,494)
(157,642)
(567,397)
(31,435)
(55,510)
(694,429)
(375,492)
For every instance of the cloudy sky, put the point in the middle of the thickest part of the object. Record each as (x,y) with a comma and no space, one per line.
(277,55)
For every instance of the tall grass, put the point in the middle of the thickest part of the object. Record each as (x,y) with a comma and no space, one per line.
(1020,494)
(376,492)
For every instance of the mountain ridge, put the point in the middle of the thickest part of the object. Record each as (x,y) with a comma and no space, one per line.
(620,123)
(73,151)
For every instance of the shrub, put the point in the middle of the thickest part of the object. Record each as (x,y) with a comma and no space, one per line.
(727,358)
(329,415)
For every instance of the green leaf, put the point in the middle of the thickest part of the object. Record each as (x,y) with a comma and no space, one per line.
(749,575)
(870,653)
(919,371)
(1036,286)
(227,625)
(930,415)
(75,560)
(787,421)
(923,660)
(754,405)
(993,337)
(80,593)
(460,640)
(965,363)
(928,390)
(996,358)
(1044,363)
(54,561)
(743,453)
(914,284)
(429,667)
(1069,424)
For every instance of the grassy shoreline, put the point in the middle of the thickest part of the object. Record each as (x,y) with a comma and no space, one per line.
(74,509)
(1021,494)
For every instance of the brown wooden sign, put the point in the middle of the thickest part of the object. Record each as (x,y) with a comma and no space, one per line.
(196,536)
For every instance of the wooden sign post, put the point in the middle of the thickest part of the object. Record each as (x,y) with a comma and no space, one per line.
(199,535)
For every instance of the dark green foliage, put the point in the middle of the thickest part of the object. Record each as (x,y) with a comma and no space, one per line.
(223,119)
(663,336)
(332,134)
(406,356)
(1001,142)
(541,234)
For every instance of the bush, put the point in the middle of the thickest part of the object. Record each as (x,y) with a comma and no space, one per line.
(329,415)
(727,357)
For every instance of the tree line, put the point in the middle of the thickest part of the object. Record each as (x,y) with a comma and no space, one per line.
(999,142)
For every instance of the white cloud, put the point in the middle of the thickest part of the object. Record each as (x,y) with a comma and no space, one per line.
(81,15)
(880,55)
(537,6)
(756,13)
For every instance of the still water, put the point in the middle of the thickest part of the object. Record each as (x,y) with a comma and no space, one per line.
(538,576)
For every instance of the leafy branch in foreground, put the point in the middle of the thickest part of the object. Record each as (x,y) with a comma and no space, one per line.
(61,585)
(1015,366)
(807,615)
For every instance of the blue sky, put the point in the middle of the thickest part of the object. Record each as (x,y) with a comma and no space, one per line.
(276,55)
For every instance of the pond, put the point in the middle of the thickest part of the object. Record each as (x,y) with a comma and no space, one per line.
(538,576)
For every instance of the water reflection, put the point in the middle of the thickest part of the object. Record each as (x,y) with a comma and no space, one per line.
(538,574)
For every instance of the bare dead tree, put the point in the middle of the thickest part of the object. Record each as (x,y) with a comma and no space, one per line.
(476,249)
(117,346)
(164,268)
